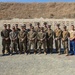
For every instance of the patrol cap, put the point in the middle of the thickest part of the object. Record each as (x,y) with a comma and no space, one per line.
(58,25)
(5,25)
(49,25)
(9,25)
(24,25)
(45,23)
(64,26)
(30,24)
(38,23)
(16,24)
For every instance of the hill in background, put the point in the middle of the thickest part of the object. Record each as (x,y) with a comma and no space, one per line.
(37,10)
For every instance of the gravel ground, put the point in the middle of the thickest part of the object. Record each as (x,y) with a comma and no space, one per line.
(51,64)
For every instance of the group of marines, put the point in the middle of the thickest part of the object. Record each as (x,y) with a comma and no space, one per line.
(37,38)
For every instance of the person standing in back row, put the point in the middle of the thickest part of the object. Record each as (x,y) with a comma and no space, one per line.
(13,38)
(22,40)
(18,30)
(32,39)
(65,36)
(58,37)
(72,40)
(5,40)
(41,37)
(49,39)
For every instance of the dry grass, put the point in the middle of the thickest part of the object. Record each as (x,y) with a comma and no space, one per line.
(37,10)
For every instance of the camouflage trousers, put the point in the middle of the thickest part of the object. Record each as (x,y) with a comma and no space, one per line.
(65,46)
(23,47)
(58,45)
(50,45)
(13,47)
(42,45)
(32,45)
(6,46)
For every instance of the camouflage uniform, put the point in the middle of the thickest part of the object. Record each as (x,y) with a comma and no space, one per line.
(45,26)
(37,29)
(18,30)
(50,39)
(23,41)
(41,37)
(9,30)
(5,40)
(13,38)
(58,36)
(32,40)
(65,35)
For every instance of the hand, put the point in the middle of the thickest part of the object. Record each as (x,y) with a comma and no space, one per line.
(22,39)
(32,38)
(41,39)
(55,38)
(62,39)
(6,39)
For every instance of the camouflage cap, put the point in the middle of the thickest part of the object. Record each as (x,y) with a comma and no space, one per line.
(30,24)
(45,23)
(5,25)
(16,24)
(24,25)
(9,25)
(64,26)
(49,25)
(58,25)
(38,23)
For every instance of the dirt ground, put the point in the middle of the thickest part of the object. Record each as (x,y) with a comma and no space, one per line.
(50,64)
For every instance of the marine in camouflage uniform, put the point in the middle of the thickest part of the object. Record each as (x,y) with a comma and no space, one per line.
(5,40)
(18,30)
(9,30)
(65,36)
(13,38)
(30,26)
(49,39)
(45,26)
(22,40)
(41,37)
(37,29)
(32,39)
(58,37)
(26,31)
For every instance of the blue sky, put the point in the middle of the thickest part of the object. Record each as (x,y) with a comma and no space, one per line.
(37,0)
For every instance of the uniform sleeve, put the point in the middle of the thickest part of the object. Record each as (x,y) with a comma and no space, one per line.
(35,36)
(28,35)
(60,34)
(10,36)
(19,35)
(2,34)
(51,36)
(54,34)
(44,36)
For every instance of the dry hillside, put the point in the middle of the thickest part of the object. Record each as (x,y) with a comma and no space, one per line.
(37,10)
